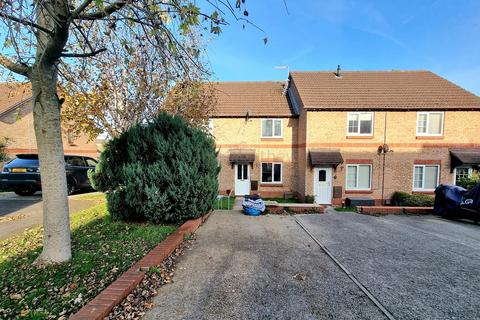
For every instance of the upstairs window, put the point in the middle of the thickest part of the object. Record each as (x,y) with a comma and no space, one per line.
(271,172)
(272,128)
(425,177)
(360,124)
(430,123)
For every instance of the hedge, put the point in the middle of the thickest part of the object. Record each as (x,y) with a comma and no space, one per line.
(412,200)
(164,172)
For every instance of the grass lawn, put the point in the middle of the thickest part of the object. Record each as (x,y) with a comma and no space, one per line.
(90,196)
(102,249)
(346,209)
(224,204)
(283,200)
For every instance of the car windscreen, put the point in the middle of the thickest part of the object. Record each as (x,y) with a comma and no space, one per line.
(20,162)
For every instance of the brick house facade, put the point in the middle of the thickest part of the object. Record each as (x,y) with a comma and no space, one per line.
(332,135)
(16,124)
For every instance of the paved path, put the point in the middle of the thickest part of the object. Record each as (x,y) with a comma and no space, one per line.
(252,268)
(18,213)
(419,267)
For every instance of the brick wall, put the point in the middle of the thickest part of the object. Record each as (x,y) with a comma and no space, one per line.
(237,133)
(329,130)
(21,135)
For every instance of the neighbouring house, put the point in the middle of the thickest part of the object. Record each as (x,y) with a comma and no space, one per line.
(334,135)
(16,124)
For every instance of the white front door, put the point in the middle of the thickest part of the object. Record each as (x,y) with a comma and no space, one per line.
(242,179)
(322,185)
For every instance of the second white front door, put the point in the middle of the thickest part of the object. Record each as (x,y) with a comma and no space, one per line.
(242,179)
(322,185)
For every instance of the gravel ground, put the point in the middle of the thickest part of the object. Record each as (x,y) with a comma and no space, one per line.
(258,268)
(419,267)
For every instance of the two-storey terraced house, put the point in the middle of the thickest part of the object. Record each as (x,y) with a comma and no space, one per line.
(332,135)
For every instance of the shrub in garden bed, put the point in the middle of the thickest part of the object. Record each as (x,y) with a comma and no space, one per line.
(163,171)
(412,200)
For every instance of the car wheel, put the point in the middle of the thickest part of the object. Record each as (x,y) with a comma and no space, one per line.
(25,192)
(71,186)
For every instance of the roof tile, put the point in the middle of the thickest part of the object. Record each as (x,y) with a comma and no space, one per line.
(261,99)
(381,90)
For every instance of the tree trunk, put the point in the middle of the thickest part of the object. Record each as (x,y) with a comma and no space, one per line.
(46,117)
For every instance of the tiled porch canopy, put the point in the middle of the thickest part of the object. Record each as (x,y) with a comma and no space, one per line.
(331,157)
(245,156)
(464,157)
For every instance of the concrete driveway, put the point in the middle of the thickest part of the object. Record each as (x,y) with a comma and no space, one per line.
(18,213)
(271,268)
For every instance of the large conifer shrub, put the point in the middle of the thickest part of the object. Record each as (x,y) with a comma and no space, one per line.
(164,171)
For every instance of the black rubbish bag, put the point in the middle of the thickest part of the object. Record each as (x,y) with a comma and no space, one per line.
(448,199)
(471,199)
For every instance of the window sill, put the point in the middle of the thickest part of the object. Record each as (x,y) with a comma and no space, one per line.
(266,184)
(271,139)
(359,137)
(358,191)
(423,192)
(429,137)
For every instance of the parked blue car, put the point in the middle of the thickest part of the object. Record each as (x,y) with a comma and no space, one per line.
(22,174)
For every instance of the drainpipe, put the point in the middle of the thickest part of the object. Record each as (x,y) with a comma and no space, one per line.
(384,156)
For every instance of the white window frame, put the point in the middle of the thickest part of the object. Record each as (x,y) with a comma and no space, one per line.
(423,178)
(470,173)
(273,136)
(358,134)
(273,173)
(357,188)
(426,134)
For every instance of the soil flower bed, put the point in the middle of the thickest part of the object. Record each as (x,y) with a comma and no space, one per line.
(102,249)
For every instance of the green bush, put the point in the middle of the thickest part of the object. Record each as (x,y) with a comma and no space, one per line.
(469,183)
(309,199)
(164,171)
(412,200)
(419,200)
(399,197)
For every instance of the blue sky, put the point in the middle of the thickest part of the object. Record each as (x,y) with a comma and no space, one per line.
(438,35)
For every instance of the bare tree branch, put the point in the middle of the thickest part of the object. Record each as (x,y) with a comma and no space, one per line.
(17,67)
(82,7)
(83,55)
(25,22)
(108,10)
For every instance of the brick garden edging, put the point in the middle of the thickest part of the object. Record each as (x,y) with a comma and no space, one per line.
(108,298)
(386,210)
(294,208)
